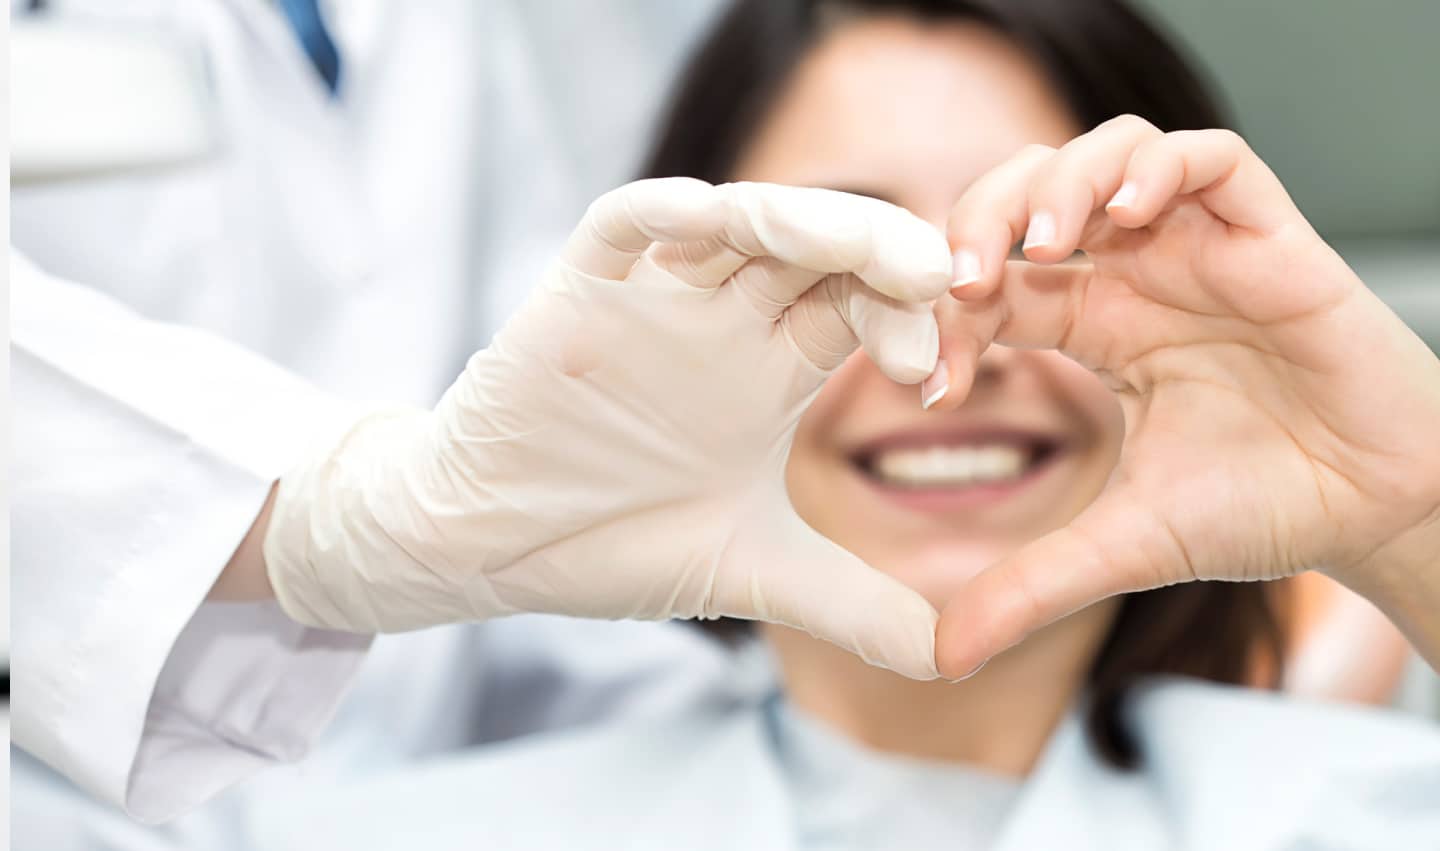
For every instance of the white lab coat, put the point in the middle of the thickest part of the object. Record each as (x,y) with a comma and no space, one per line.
(415,697)
(179,335)
(688,755)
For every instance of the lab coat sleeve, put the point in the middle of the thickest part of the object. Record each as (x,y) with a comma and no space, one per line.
(141,454)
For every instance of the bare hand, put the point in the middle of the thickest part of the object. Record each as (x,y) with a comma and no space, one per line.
(1278,416)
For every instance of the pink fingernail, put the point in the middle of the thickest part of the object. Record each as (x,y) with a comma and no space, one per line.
(1126,195)
(972,673)
(934,388)
(967,268)
(1042,229)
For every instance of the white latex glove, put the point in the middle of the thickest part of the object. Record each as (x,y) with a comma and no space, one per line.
(619,451)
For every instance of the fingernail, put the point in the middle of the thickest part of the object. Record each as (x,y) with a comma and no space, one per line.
(1041,231)
(1125,196)
(934,388)
(972,673)
(967,268)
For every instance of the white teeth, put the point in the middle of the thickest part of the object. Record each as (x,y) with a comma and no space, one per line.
(950,465)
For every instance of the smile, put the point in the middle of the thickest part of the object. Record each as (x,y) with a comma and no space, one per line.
(993,465)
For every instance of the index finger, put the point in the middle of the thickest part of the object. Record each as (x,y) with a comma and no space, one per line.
(893,251)
(623,222)
(1033,307)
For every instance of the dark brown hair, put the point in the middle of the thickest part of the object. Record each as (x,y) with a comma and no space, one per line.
(1105,60)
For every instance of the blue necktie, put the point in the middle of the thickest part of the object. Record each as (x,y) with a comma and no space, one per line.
(309,27)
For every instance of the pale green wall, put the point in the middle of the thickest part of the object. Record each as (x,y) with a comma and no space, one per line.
(1341,96)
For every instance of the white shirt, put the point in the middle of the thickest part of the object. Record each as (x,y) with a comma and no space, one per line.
(847,797)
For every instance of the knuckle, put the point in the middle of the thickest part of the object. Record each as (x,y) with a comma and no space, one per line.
(1034,150)
(1230,140)
(600,205)
(1054,179)
(979,233)
(598,226)
(1230,137)
(967,212)
(1134,123)
(1151,151)
(1221,138)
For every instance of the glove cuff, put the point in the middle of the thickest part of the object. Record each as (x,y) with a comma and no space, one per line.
(328,553)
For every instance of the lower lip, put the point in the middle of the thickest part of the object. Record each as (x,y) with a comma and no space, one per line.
(942,499)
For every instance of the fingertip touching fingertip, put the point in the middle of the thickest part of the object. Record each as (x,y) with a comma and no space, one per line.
(973,671)
(933,273)
(935,385)
(946,668)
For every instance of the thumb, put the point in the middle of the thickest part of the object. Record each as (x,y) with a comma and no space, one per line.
(778,569)
(1114,546)
(841,312)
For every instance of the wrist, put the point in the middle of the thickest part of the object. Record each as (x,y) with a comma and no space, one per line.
(1402,578)
(1399,563)
(349,538)
(244,578)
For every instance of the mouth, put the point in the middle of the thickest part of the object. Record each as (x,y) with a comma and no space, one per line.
(936,471)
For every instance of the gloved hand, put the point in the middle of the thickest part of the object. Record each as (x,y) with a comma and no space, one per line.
(618,452)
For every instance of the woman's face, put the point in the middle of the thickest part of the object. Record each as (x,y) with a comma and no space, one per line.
(912,113)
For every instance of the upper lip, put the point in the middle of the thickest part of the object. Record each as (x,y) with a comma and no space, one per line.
(1034,440)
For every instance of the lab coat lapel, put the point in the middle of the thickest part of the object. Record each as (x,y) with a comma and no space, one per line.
(729,794)
(1072,799)
(694,782)
(334,233)
(265,24)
